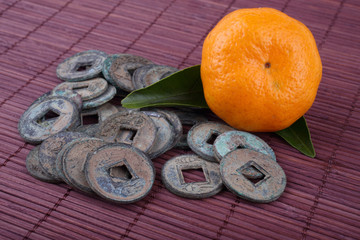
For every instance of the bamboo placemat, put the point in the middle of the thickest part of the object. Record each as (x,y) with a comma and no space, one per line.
(322,197)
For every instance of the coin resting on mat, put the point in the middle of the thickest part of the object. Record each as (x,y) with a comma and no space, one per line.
(266,188)
(120,173)
(173,178)
(81,66)
(48,117)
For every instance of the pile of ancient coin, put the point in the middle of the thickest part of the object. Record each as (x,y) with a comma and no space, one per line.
(112,156)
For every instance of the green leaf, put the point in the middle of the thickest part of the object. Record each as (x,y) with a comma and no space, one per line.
(298,136)
(183,88)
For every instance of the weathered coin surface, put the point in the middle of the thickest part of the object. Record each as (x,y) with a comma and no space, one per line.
(50,148)
(119,68)
(175,122)
(81,66)
(100,100)
(231,140)
(120,173)
(48,117)
(59,162)
(133,128)
(202,136)
(165,134)
(88,89)
(268,188)
(150,74)
(90,118)
(73,161)
(34,168)
(72,95)
(173,178)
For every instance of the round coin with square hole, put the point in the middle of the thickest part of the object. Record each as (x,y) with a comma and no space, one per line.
(202,136)
(48,117)
(175,122)
(73,161)
(120,173)
(88,89)
(231,140)
(34,168)
(164,136)
(133,128)
(234,168)
(172,175)
(119,68)
(100,100)
(50,148)
(81,66)
(150,74)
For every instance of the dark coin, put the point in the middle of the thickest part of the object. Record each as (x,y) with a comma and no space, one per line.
(119,68)
(174,120)
(34,168)
(48,117)
(120,173)
(59,162)
(100,100)
(150,74)
(268,188)
(50,148)
(81,66)
(133,128)
(73,161)
(231,140)
(173,178)
(88,89)
(164,136)
(91,118)
(202,136)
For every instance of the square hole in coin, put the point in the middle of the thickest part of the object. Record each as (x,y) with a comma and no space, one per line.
(83,66)
(126,135)
(120,172)
(193,175)
(253,173)
(131,71)
(89,119)
(49,115)
(79,88)
(212,137)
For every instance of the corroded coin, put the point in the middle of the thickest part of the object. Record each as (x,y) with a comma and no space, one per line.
(120,173)
(173,178)
(72,95)
(50,148)
(164,136)
(48,117)
(88,89)
(150,74)
(175,122)
(119,68)
(268,188)
(133,128)
(59,161)
(34,168)
(202,136)
(90,118)
(231,140)
(81,66)
(102,99)
(73,161)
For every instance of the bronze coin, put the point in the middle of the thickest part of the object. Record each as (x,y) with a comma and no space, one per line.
(120,173)
(88,89)
(34,168)
(50,148)
(174,120)
(81,66)
(150,74)
(133,128)
(231,140)
(266,189)
(202,136)
(119,68)
(48,117)
(73,161)
(174,181)
(100,100)
(164,136)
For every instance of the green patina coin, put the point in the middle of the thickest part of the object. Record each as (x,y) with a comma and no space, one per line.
(100,100)
(81,66)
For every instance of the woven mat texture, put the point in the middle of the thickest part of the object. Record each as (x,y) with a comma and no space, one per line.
(322,197)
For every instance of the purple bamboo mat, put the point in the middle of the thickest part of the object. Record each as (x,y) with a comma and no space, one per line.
(322,197)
